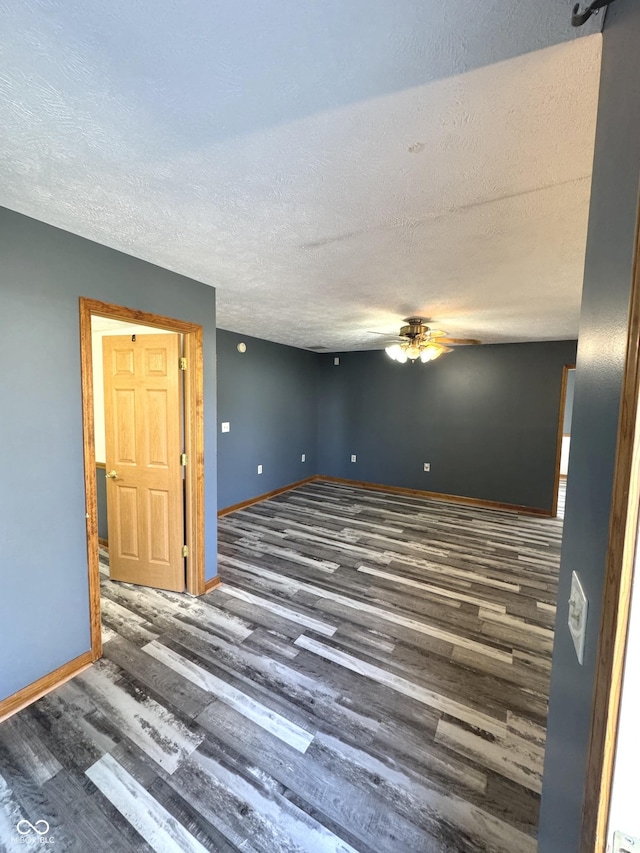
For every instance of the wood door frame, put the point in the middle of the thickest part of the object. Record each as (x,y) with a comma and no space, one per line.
(563,402)
(618,581)
(193,437)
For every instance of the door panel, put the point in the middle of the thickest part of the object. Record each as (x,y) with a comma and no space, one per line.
(124,452)
(142,393)
(126,542)
(158,448)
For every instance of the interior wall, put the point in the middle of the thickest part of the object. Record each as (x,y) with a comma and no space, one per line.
(599,375)
(44,578)
(268,395)
(484,418)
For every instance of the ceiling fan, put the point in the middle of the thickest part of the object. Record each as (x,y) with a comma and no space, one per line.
(419,341)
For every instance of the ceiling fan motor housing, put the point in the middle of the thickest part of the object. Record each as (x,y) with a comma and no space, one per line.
(414,329)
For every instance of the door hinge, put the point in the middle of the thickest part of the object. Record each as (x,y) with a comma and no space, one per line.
(183,459)
(183,364)
(185,550)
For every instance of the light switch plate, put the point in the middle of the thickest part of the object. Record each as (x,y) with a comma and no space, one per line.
(578,607)
(623,843)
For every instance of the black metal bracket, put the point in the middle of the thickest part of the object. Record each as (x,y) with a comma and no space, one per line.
(580,18)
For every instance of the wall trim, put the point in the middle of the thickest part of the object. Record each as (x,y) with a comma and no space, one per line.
(523,510)
(265,497)
(401,490)
(212,584)
(194,446)
(37,689)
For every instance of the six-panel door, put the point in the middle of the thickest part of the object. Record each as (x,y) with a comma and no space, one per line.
(142,394)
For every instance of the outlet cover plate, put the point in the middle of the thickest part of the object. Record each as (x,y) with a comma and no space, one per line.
(623,843)
(259,469)
(578,607)
(226,426)
(427,466)
(353,457)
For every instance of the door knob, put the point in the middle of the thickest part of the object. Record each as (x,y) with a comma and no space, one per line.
(111,475)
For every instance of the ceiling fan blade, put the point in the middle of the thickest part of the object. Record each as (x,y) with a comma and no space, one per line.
(389,339)
(438,336)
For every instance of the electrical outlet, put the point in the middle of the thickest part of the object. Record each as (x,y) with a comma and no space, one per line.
(336,360)
(427,466)
(259,469)
(353,457)
(623,843)
(226,426)
(303,458)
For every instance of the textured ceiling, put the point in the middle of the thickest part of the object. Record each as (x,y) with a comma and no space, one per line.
(330,167)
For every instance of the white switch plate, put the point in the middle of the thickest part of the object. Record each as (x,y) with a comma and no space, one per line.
(353,457)
(427,466)
(259,469)
(623,843)
(336,360)
(226,426)
(303,457)
(578,607)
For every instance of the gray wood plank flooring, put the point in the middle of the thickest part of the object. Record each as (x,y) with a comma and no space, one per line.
(372,675)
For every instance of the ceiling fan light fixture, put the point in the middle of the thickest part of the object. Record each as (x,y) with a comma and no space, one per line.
(394,351)
(433,351)
(422,343)
(429,353)
(414,350)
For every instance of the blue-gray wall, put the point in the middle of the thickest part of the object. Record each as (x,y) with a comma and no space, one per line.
(600,367)
(268,395)
(485,418)
(44,605)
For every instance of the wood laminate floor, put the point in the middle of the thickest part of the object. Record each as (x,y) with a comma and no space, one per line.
(372,675)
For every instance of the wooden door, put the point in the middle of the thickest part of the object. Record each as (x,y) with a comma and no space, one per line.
(142,401)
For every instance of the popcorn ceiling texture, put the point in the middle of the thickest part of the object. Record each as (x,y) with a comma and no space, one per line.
(330,167)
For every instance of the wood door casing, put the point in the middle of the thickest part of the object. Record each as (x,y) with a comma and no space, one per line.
(145,505)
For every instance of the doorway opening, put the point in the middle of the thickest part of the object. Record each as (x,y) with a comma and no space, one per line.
(564,440)
(187,515)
